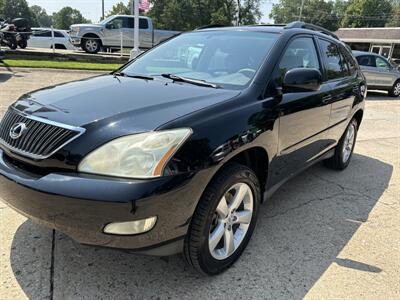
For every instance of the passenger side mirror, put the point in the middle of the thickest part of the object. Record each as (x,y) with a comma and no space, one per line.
(302,80)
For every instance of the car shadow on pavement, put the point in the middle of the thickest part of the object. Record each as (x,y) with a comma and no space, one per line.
(300,233)
(380,96)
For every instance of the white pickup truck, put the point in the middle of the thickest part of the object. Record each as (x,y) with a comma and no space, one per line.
(107,34)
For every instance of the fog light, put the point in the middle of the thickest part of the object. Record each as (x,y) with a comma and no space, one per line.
(131,227)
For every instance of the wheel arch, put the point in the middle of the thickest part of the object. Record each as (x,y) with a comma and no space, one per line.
(92,35)
(359,116)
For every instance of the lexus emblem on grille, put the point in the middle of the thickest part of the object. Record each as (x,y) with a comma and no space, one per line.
(17,130)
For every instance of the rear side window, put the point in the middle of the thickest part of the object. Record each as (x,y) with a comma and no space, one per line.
(301,53)
(335,65)
(366,60)
(349,60)
(143,23)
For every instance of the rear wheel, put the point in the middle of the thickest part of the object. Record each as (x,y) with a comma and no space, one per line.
(91,45)
(344,149)
(224,220)
(395,91)
(23,44)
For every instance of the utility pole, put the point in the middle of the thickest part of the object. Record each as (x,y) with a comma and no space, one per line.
(132,7)
(136,50)
(301,10)
(102,9)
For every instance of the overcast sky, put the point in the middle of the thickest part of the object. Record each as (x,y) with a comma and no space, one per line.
(91,9)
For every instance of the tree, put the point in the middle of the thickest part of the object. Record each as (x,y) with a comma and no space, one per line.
(40,18)
(11,9)
(187,15)
(394,20)
(367,13)
(67,16)
(319,12)
(119,9)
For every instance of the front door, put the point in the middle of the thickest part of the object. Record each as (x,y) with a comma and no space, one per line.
(304,116)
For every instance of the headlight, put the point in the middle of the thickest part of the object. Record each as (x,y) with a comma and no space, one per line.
(142,155)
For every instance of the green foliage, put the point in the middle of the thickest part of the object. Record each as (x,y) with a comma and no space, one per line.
(190,14)
(67,16)
(10,9)
(119,9)
(367,13)
(394,20)
(319,12)
(40,18)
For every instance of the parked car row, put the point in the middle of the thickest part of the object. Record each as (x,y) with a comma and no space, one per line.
(107,34)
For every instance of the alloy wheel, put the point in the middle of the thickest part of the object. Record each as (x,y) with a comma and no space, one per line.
(231,221)
(349,142)
(396,91)
(91,45)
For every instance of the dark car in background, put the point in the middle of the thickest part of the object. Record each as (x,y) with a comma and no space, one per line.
(175,151)
(379,72)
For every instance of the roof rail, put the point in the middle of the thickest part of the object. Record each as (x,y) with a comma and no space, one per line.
(299,24)
(211,26)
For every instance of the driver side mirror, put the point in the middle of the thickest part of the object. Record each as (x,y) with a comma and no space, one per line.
(108,26)
(302,80)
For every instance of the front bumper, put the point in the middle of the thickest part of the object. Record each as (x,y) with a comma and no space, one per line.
(81,205)
(76,41)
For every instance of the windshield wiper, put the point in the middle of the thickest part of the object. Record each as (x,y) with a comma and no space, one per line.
(139,76)
(190,80)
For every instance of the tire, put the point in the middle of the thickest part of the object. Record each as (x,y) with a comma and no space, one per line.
(395,90)
(207,220)
(91,45)
(341,158)
(13,44)
(23,44)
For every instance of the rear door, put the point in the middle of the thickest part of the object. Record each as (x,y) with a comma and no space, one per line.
(145,34)
(304,116)
(385,72)
(341,75)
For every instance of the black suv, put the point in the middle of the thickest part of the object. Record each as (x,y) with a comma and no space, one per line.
(176,150)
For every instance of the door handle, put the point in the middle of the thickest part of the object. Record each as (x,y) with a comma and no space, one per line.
(326,99)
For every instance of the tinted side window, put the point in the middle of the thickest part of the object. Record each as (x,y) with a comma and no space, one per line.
(381,63)
(349,60)
(58,34)
(335,65)
(42,33)
(366,60)
(143,23)
(301,53)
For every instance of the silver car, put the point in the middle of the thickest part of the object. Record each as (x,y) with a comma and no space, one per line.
(380,73)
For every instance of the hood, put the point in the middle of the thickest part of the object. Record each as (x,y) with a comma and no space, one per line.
(144,104)
(85,26)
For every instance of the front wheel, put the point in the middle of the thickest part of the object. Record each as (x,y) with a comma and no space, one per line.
(344,149)
(224,220)
(91,45)
(395,91)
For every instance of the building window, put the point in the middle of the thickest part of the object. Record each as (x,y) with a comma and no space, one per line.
(360,46)
(396,51)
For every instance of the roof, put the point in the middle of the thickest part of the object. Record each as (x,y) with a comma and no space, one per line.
(359,53)
(377,34)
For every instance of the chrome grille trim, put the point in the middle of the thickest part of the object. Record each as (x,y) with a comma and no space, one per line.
(43,138)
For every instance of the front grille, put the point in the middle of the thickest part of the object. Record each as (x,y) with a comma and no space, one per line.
(40,139)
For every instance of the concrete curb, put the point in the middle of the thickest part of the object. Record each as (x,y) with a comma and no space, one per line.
(23,69)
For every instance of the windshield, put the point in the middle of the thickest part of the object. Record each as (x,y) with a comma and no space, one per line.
(227,58)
